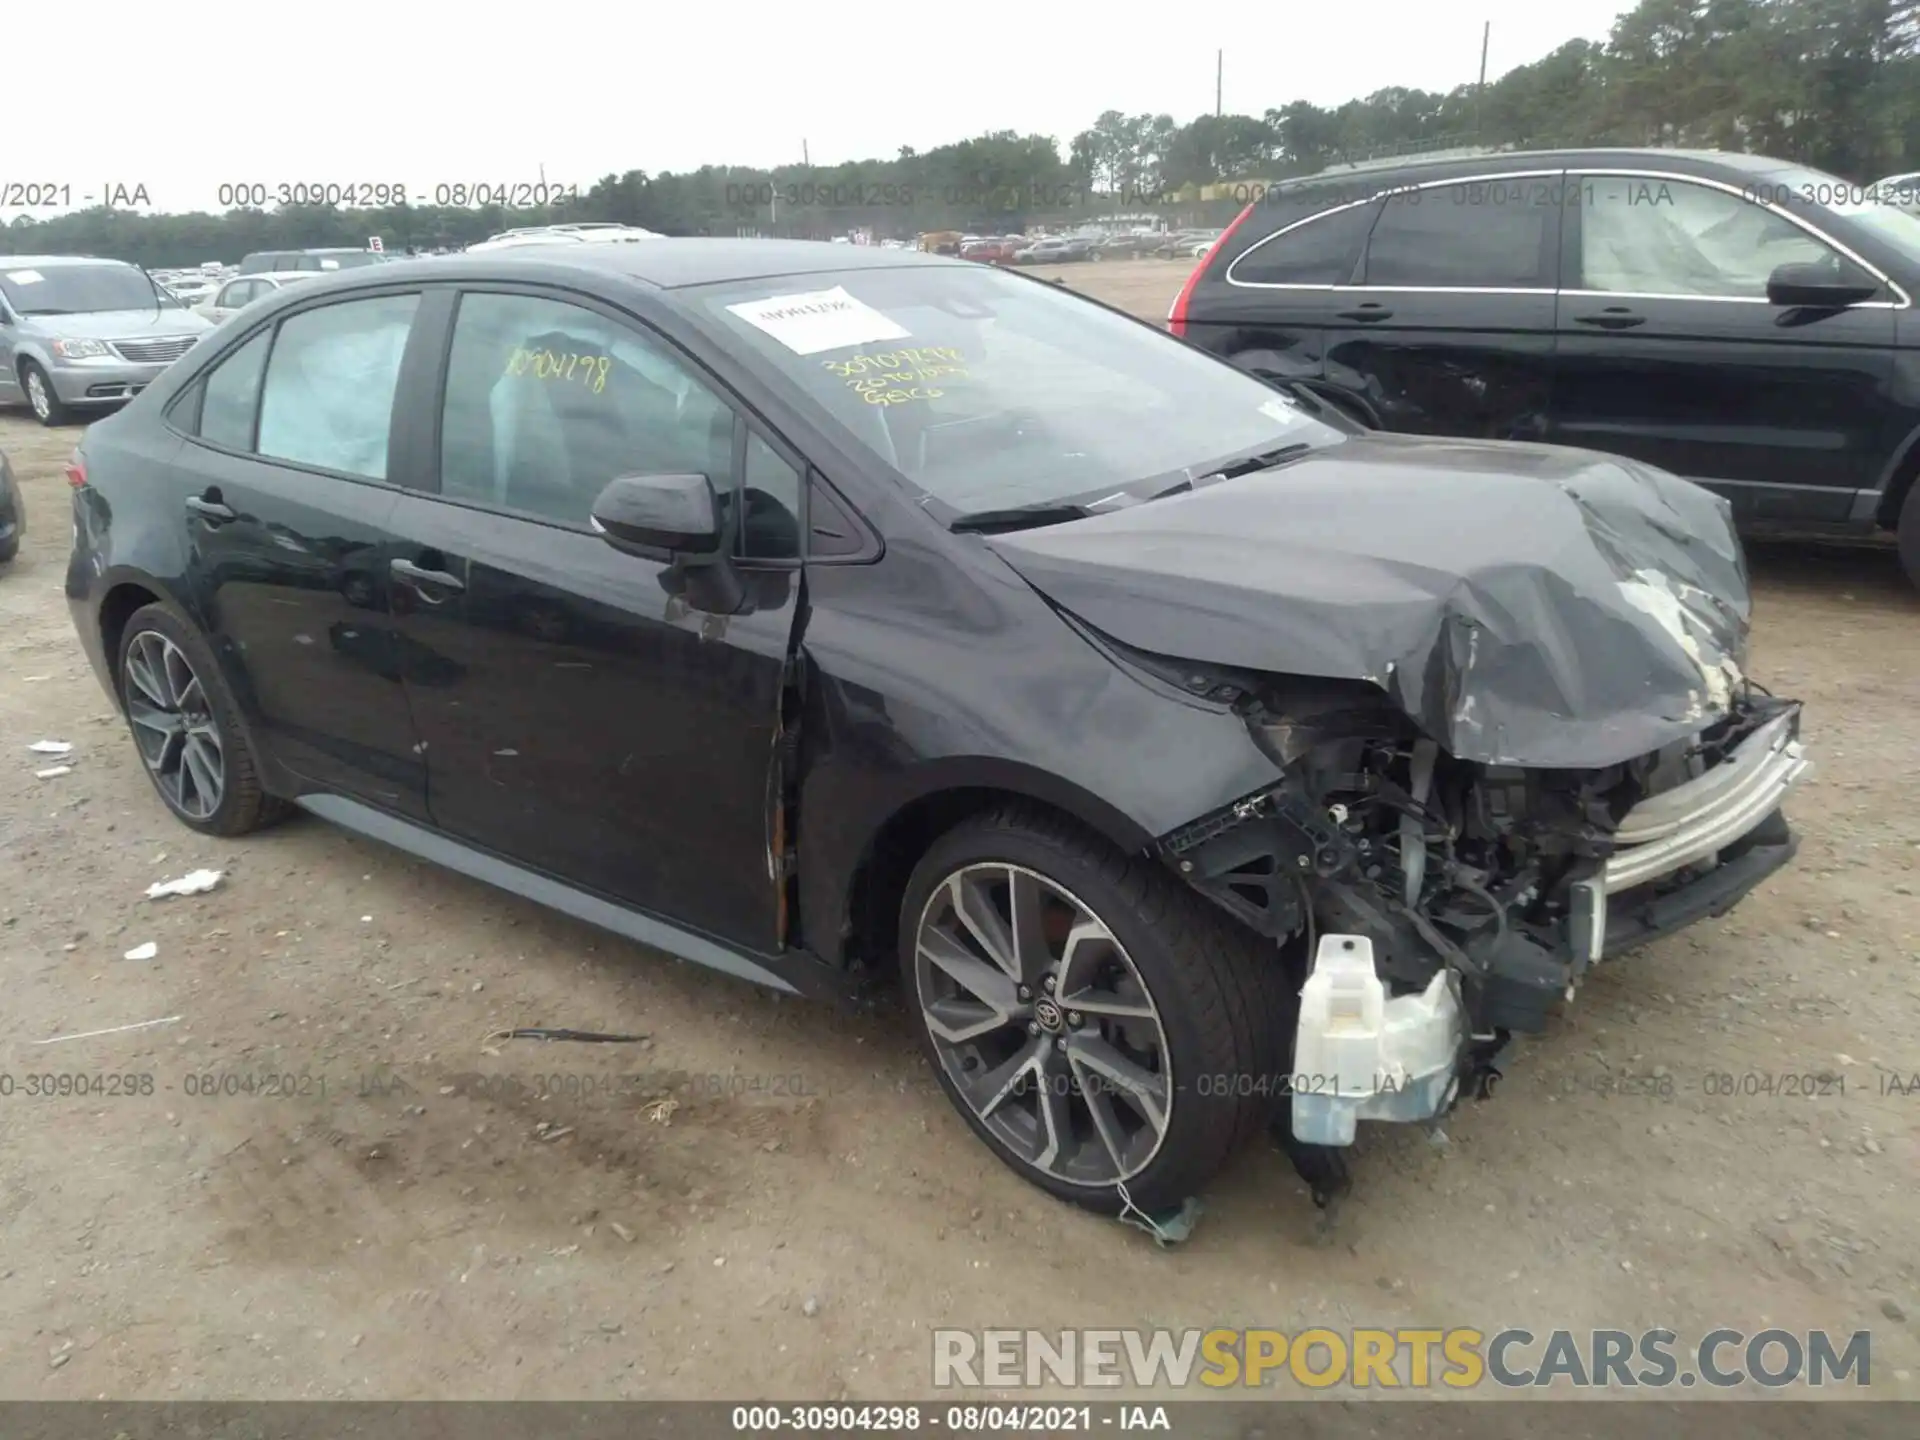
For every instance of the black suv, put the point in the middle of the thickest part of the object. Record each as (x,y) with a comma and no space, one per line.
(808,611)
(1737,320)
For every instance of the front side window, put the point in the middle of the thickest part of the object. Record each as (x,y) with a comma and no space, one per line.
(770,505)
(546,402)
(1320,251)
(985,389)
(1649,236)
(1483,235)
(230,394)
(328,398)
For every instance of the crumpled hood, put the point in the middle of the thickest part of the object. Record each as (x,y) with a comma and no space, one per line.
(1523,604)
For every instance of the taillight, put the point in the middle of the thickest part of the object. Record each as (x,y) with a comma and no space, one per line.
(1177,316)
(76,468)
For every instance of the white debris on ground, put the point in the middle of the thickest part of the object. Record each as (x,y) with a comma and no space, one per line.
(142,952)
(51,747)
(53,772)
(195,882)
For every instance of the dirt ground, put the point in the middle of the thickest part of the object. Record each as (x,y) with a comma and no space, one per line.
(449,1220)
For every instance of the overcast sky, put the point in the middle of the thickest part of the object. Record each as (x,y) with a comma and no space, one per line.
(182,98)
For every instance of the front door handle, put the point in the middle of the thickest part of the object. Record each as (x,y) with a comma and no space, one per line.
(209,506)
(424,581)
(1367,314)
(1614,317)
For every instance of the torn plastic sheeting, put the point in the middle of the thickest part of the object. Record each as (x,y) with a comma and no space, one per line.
(1523,605)
(1170,1227)
(195,882)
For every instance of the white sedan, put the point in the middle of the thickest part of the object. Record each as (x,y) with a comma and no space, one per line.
(230,298)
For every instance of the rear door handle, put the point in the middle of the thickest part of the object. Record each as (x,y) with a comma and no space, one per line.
(211,509)
(1614,317)
(1367,314)
(415,578)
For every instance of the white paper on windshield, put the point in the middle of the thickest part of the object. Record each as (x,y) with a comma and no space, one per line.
(25,277)
(818,320)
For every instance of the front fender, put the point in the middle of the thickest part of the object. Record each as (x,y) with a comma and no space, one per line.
(917,688)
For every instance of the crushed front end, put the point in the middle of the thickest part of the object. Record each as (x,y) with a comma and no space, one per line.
(1441,905)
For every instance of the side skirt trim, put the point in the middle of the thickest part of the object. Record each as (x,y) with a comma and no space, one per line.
(542,889)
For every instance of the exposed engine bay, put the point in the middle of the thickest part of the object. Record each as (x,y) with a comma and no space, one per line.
(1452,904)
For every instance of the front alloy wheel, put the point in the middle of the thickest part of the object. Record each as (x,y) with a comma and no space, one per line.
(1043,1024)
(1107,1032)
(174,727)
(48,408)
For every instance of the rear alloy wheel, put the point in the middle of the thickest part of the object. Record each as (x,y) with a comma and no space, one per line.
(1109,1034)
(48,408)
(186,729)
(1910,535)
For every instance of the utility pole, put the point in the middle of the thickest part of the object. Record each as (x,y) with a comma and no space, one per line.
(1219,69)
(803,153)
(1480,95)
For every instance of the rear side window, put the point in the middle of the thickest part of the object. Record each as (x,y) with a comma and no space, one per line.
(1319,251)
(231,392)
(328,398)
(1489,235)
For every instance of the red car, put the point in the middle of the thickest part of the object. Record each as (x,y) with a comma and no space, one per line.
(989,252)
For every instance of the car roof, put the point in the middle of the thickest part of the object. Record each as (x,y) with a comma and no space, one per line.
(666,263)
(1699,162)
(48,262)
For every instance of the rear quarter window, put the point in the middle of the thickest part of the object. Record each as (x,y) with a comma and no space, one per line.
(1319,249)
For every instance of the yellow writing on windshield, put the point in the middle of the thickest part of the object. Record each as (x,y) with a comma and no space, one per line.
(589,370)
(909,358)
(894,377)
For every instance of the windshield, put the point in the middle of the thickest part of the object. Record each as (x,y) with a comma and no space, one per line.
(77,289)
(988,391)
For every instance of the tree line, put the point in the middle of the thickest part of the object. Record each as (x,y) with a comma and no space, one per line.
(1834,84)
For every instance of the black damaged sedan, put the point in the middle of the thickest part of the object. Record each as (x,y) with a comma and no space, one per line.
(819,614)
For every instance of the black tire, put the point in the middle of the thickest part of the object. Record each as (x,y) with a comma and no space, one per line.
(1910,535)
(1222,997)
(47,406)
(243,804)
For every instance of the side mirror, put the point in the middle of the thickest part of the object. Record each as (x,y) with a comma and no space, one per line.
(661,517)
(1817,287)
